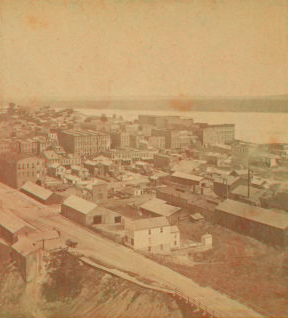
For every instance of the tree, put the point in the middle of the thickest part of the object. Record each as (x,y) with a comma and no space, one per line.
(64,273)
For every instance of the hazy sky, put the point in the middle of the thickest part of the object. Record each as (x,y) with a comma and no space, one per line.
(143,48)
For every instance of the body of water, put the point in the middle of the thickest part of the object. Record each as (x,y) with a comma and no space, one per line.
(253,127)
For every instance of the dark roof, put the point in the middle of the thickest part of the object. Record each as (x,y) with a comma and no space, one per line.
(274,218)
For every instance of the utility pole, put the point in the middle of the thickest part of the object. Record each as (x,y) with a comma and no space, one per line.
(249,178)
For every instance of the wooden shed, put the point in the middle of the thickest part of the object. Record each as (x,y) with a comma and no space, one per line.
(80,210)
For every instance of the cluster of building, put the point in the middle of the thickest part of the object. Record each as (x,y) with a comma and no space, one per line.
(192,171)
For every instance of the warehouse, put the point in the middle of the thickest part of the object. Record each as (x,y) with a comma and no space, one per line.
(41,194)
(80,210)
(269,226)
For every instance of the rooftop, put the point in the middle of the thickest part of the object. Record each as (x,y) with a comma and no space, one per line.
(78,133)
(25,246)
(160,207)
(229,180)
(36,190)
(46,235)
(79,204)
(150,223)
(11,222)
(274,218)
(187,176)
(242,190)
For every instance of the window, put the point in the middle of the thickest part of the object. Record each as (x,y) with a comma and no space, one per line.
(149,248)
(149,231)
(175,242)
(33,166)
(19,166)
(27,165)
(132,241)
(23,166)
(161,229)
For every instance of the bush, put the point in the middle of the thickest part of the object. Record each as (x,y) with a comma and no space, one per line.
(64,280)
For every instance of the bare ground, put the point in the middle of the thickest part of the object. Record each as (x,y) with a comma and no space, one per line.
(239,266)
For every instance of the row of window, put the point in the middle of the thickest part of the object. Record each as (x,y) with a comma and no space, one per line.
(31,174)
(161,230)
(23,165)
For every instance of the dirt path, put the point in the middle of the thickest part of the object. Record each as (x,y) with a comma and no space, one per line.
(122,258)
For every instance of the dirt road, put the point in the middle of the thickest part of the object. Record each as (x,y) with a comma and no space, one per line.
(120,257)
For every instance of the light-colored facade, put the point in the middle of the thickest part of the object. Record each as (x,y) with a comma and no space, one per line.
(151,234)
(84,142)
(216,134)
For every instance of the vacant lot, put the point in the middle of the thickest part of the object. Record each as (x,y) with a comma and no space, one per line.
(239,266)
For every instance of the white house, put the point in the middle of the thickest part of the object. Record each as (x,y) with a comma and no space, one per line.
(152,234)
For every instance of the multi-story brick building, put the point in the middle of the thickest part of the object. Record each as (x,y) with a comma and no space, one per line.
(16,169)
(84,142)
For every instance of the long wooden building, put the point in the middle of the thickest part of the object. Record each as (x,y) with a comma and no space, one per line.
(269,226)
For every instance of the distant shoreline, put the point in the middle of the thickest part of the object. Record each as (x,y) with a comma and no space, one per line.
(257,105)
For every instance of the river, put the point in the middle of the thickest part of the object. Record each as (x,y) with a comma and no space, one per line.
(253,127)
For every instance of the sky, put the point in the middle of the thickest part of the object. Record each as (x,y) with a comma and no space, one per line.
(161,48)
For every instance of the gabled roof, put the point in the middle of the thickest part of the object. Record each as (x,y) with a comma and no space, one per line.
(274,218)
(11,222)
(36,190)
(79,204)
(160,207)
(150,223)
